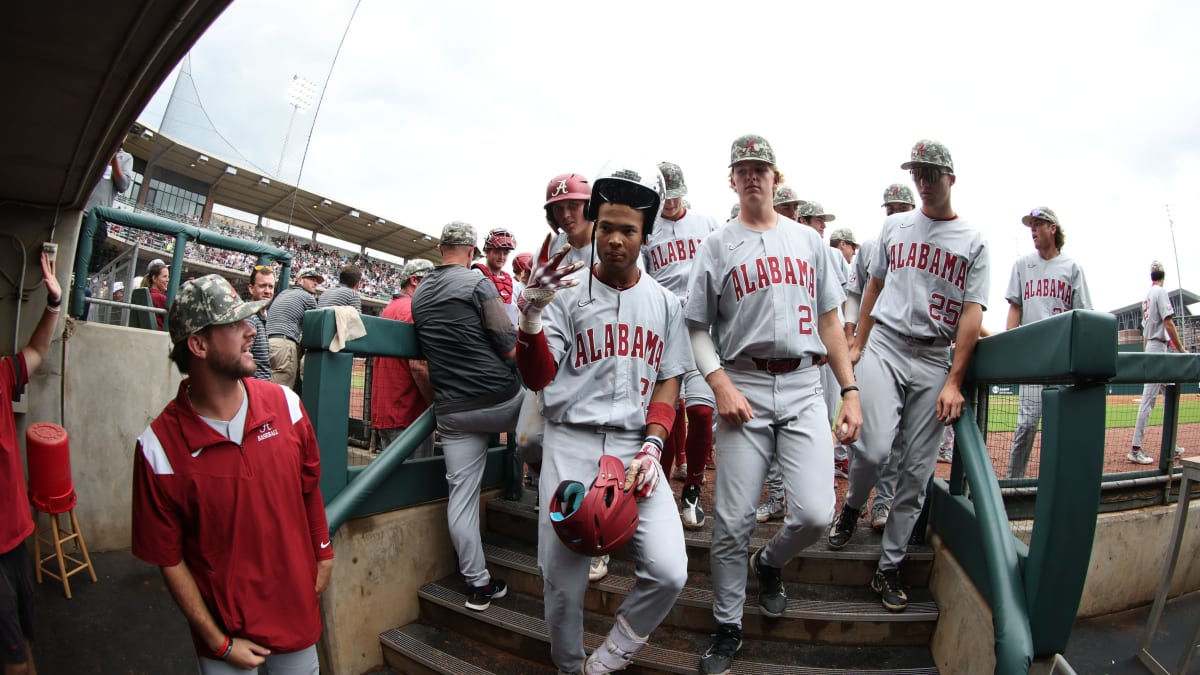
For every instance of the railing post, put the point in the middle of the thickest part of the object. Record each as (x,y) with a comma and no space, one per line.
(1064,523)
(330,414)
(1170,427)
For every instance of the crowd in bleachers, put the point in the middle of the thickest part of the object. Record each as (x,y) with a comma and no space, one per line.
(379,277)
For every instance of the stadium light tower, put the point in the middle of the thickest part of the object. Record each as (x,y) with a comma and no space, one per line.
(300,96)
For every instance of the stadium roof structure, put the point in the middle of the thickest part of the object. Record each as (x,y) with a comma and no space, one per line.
(247,189)
(1189,298)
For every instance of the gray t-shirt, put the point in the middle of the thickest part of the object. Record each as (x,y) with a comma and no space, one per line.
(1042,288)
(463,331)
(340,296)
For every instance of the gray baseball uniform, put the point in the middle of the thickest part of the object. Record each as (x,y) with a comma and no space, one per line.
(761,294)
(930,268)
(1156,311)
(1040,288)
(611,348)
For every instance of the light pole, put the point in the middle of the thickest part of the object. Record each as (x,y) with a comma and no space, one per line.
(300,97)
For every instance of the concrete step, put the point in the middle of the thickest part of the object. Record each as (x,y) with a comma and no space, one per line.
(515,625)
(421,649)
(816,613)
(818,564)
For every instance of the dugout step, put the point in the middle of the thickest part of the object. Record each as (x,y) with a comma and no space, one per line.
(423,649)
(846,615)
(515,624)
(818,564)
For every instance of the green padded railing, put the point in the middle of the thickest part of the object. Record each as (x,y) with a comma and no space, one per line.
(1034,592)
(182,233)
(352,492)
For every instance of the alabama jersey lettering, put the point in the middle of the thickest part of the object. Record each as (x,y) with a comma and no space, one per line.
(930,269)
(1043,288)
(635,335)
(769,288)
(672,247)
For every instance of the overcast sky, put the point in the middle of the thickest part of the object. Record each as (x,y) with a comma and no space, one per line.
(448,111)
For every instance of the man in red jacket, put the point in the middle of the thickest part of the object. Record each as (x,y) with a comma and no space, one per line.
(226,496)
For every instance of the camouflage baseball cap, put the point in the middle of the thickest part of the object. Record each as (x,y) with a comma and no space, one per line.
(784,194)
(417,267)
(1156,266)
(751,147)
(673,175)
(310,272)
(1040,213)
(930,152)
(842,234)
(733,213)
(459,233)
(207,301)
(898,193)
(810,209)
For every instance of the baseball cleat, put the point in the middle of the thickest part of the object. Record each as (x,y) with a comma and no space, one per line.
(772,509)
(879,516)
(691,513)
(480,598)
(718,658)
(843,528)
(1138,457)
(891,594)
(598,569)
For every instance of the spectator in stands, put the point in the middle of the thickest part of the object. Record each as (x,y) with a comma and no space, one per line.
(16,572)
(345,294)
(285,320)
(157,279)
(261,287)
(466,337)
(400,389)
(118,291)
(227,499)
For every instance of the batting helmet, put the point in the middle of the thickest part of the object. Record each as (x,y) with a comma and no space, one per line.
(523,262)
(597,520)
(638,187)
(562,187)
(500,238)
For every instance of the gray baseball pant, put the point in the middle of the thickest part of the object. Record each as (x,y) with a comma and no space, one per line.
(902,378)
(464,446)
(1150,392)
(1029,413)
(572,452)
(790,425)
(303,662)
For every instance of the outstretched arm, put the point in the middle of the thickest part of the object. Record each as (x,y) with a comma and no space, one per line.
(39,343)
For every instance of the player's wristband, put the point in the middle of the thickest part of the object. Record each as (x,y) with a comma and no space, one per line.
(57,302)
(227,648)
(662,413)
(656,442)
(853,387)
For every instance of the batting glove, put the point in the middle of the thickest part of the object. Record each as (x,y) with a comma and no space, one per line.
(545,280)
(645,471)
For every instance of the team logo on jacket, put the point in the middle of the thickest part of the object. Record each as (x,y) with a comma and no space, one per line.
(265,432)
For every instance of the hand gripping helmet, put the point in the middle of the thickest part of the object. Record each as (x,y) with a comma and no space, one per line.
(563,187)
(640,187)
(597,520)
(500,238)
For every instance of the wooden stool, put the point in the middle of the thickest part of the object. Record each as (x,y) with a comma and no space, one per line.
(1191,474)
(60,536)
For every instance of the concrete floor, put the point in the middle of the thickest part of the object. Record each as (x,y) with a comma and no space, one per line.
(128,624)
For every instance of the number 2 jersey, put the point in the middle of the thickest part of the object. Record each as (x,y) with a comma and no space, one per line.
(762,292)
(1043,288)
(929,268)
(611,346)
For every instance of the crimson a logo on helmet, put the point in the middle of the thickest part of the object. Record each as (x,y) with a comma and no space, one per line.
(561,189)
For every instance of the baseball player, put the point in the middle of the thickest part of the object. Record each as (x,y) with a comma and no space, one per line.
(812,214)
(897,198)
(496,247)
(607,359)
(761,314)
(1158,334)
(786,203)
(670,248)
(928,287)
(1043,283)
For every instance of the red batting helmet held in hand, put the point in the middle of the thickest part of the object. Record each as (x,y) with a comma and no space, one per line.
(562,187)
(597,520)
(500,238)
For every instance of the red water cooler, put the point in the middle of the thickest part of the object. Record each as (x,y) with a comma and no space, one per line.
(48,457)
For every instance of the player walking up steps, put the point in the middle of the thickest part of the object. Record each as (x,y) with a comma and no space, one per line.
(928,287)
(764,288)
(668,254)
(607,360)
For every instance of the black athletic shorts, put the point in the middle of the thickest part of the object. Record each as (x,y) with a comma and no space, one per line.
(16,604)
